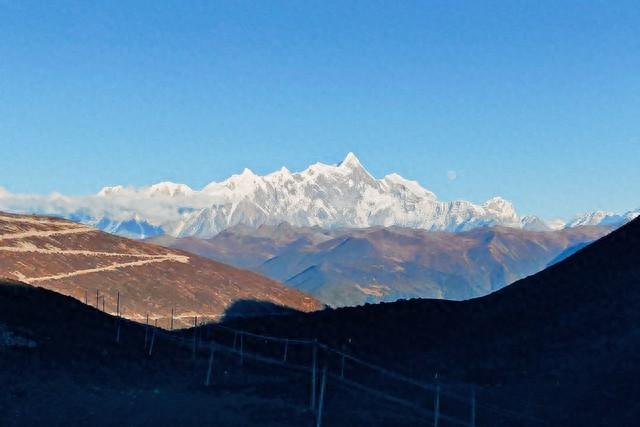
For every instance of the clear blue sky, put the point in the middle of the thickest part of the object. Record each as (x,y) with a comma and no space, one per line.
(537,101)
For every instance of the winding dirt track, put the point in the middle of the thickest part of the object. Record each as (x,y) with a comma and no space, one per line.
(27,234)
(74,229)
(111,267)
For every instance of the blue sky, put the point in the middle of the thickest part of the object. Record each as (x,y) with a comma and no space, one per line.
(536,101)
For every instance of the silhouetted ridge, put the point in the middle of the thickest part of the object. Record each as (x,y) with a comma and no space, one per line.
(601,269)
(566,335)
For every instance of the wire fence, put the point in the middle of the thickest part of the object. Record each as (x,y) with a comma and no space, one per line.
(435,403)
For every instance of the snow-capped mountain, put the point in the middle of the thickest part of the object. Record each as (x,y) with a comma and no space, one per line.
(161,189)
(603,218)
(533,223)
(329,196)
(135,228)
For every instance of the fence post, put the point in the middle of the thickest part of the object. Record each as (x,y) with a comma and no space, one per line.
(207,381)
(314,367)
(97,299)
(235,339)
(436,404)
(153,340)
(286,349)
(321,403)
(86,297)
(146,332)
(118,314)
(473,407)
(103,303)
(195,331)
(172,310)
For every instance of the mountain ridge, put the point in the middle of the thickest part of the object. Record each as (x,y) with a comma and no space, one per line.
(342,195)
(356,266)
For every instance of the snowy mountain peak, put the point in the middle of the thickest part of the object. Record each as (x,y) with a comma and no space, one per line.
(497,201)
(169,189)
(605,218)
(502,208)
(591,218)
(350,162)
(280,175)
(342,195)
(533,223)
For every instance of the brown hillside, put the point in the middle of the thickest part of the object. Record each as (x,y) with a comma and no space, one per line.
(77,260)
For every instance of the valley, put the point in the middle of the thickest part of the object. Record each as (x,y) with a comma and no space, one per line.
(345,267)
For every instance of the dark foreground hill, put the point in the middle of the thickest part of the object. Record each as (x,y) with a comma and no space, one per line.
(564,343)
(60,365)
(560,348)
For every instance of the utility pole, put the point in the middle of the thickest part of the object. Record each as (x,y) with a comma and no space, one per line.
(314,374)
(473,407)
(436,404)
(207,381)
(146,332)
(321,403)
(118,319)
(195,336)
(153,338)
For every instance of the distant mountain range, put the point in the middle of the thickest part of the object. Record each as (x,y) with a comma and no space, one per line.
(329,196)
(352,266)
(83,262)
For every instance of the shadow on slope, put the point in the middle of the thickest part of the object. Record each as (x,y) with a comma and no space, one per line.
(255,308)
